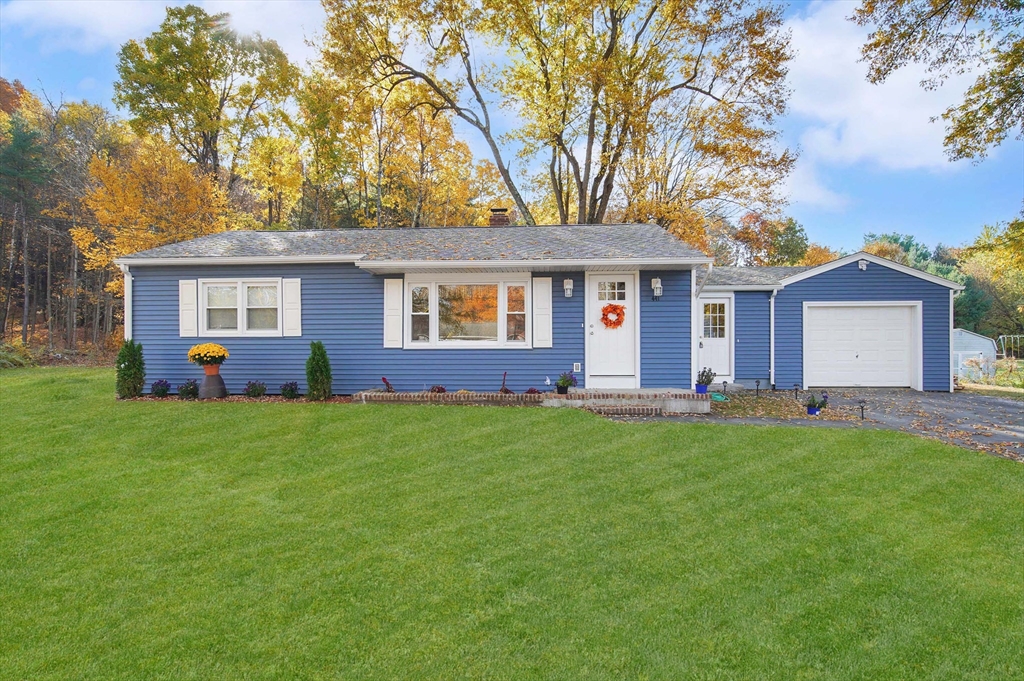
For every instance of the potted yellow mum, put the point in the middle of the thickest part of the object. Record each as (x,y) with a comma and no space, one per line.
(210,356)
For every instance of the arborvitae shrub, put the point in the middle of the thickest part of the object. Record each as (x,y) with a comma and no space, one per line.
(318,372)
(131,370)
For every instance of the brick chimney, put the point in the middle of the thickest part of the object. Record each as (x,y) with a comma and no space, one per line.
(499,217)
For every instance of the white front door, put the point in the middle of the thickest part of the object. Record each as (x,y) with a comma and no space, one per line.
(716,336)
(611,341)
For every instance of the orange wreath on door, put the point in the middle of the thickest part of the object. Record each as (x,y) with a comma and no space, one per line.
(613,315)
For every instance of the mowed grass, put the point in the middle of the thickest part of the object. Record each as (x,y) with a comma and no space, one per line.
(170,540)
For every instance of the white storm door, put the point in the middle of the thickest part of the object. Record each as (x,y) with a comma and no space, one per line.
(716,334)
(611,350)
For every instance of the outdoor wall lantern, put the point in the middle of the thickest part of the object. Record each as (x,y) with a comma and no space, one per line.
(656,287)
(862,264)
(567,284)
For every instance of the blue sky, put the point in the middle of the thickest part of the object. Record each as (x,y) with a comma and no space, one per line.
(870,160)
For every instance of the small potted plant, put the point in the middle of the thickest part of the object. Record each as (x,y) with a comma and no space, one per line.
(210,356)
(704,378)
(565,381)
(816,404)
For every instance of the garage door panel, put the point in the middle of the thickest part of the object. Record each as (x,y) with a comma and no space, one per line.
(860,346)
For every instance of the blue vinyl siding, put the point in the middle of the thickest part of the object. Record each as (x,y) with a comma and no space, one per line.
(849,283)
(753,336)
(665,331)
(343,307)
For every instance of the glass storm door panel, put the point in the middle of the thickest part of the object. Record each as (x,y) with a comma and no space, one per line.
(716,337)
(612,349)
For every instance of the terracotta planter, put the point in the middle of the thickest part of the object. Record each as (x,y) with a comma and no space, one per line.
(212,386)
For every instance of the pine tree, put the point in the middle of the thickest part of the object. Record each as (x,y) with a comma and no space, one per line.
(131,370)
(318,372)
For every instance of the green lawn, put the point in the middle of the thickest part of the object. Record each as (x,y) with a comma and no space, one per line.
(151,540)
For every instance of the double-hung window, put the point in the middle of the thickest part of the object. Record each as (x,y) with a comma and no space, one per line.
(468,311)
(240,307)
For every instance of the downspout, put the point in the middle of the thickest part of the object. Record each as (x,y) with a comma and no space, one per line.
(127,302)
(771,338)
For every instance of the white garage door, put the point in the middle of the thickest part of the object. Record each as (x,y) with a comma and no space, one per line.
(864,345)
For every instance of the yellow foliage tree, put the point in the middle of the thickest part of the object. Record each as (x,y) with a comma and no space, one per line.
(148,198)
(818,255)
(274,169)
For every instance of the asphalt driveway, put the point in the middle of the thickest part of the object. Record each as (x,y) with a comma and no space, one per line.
(990,424)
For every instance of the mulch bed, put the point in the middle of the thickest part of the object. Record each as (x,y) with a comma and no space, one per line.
(334,399)
(777,405)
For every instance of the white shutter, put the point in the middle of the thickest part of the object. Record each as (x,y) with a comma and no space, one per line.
(188,308)
(393,312)
(542,312)
(291,308)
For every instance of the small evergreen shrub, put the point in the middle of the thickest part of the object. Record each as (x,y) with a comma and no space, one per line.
(131,370)
(189,390)
(290,390)
(161,388)
(255,389)
(318,372)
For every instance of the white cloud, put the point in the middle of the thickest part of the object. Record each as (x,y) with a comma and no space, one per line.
(85,26)
(88,26)
(848,120)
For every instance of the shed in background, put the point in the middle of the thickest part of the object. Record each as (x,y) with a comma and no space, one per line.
(974,355)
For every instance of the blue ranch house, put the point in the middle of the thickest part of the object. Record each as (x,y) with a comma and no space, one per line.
(624,306)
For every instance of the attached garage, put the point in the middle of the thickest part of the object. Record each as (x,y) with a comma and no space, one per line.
(859,321)
(862,344)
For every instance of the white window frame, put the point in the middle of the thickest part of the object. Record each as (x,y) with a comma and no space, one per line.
(501,279)
(241,285)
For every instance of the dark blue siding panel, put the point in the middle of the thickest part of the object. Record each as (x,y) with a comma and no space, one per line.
(753,340)
(849,283)
(343,307)
(665,331)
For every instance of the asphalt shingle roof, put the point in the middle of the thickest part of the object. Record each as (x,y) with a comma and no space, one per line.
(545,242)
(751,276)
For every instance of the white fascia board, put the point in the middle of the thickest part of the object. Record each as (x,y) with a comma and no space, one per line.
(241,260)
(725,288)
(630,265)
(883,262)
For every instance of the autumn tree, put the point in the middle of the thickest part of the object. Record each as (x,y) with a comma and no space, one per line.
(817,254)
(149,198)
(585,78)
(203,86)
(952,37)
(274,171)
(770,242)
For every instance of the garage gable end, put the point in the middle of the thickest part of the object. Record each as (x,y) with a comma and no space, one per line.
(863,325)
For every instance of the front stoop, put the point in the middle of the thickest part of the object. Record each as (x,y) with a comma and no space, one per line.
(666,401)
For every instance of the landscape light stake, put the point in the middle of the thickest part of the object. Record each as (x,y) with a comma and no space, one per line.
(724,384)
(861,402)
(757,388)
(796,391)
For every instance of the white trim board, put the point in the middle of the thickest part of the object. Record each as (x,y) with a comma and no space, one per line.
(239,260)
(882,262)
(917,375)
(587,307)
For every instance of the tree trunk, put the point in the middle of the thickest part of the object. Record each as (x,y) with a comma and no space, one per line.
(49,294)
(73,301)
(24,280)
(9,286)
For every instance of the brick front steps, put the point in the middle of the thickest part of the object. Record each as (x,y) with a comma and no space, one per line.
(609,402)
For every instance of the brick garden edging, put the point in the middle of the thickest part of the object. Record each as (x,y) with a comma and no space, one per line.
(427,397)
